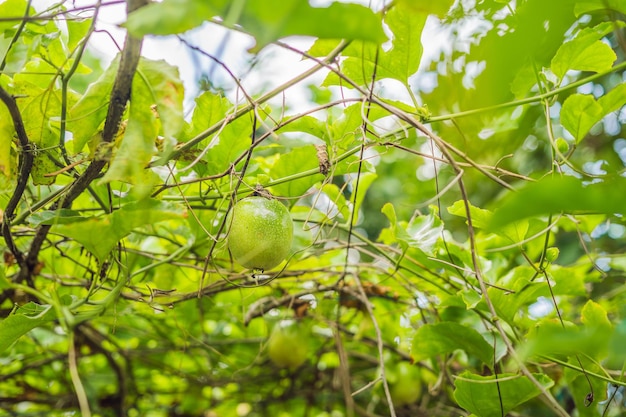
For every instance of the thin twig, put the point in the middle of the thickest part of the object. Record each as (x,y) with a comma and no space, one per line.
(81,395)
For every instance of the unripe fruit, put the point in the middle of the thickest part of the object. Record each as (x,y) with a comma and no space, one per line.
(562,145)
(407,386)
(288,345)
(261,231)
(552,253)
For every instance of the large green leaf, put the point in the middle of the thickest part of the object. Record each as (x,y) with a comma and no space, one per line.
(487,397)
(585,52)
(166,92)
(267,20)
(12,8)
(561,195)
(231,139)
(406,21)
(591,339)
(99,235)
(290,164)
(170,17)
(38,106)
(23,320)
(617,353)
(446,337)
(209,109)
(580,112)
(586,6)
(532,34)
(403,59)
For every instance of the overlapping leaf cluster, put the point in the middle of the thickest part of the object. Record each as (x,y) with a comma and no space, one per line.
(461,213)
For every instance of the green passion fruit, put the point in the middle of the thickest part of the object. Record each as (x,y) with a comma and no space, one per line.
(407,387)
(287,346)
(261,231)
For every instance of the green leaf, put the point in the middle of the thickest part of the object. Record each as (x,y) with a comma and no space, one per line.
(271,20)
(88,114)
(51,217)
(231,140)
(596,322)
(586,6)
(309,125)
(13,8)
(170,17)
(209,109)
(484,397)
(551,338)
(8,160)
(289,164)
(4,282)
(480,217)
(509,305)
(614,99)
(99,235)
(77,29)
(580,112)
(617,353)
(533,34)
(403,59)
(585,52)
(515,232)
(441,338)
(23,320)
(365,180)
(267,21)
(561,195)
(337,198)
(389,235)
(424,231)
(439,8)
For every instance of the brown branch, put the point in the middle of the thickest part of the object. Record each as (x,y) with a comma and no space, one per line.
(120,95)
(25,166)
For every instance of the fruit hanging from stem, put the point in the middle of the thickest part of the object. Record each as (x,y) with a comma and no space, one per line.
(261,232)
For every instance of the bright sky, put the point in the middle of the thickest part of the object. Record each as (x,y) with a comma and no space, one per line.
(275,65)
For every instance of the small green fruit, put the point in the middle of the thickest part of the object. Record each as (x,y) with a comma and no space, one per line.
(288,345)
(407,387)
(552,253)
(261,231)
(562,145)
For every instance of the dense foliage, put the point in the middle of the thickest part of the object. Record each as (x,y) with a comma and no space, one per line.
(458,217)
